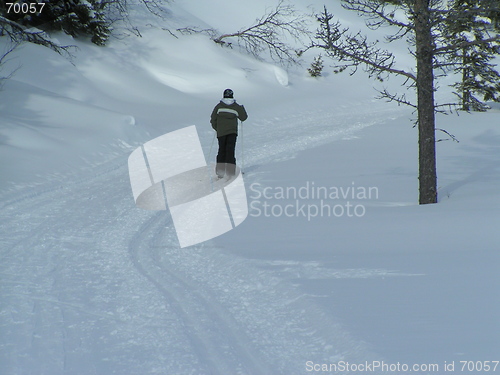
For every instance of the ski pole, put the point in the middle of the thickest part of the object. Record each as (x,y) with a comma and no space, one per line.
(211,146)
(209,163)
(242,149)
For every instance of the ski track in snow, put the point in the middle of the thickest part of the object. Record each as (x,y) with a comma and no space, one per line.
(282,137)
(84,271)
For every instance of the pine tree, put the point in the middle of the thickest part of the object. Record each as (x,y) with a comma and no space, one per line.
(354,50)
(81,17)
(74,17)
(423,26)
(316,67)
(480,81)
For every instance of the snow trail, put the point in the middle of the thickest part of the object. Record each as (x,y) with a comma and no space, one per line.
(92,284)
(214,336)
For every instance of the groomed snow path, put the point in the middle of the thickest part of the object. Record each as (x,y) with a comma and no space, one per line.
(93,285)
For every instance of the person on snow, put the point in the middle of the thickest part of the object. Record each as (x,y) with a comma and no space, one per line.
(224,120)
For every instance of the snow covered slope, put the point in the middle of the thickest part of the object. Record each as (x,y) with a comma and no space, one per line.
(336,262)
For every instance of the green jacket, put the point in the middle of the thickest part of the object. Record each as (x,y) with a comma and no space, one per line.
(224,118)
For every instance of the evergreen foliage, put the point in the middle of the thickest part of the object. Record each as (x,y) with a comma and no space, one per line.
(480,81)
(74,17)
(316,67)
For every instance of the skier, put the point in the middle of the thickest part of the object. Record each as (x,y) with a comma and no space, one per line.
(224,120)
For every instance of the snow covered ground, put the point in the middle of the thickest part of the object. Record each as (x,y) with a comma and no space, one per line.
(90,284)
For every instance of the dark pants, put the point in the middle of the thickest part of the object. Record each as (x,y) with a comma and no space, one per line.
(226,161)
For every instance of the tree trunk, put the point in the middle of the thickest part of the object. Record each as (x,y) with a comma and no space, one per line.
(425,96)
(466,94)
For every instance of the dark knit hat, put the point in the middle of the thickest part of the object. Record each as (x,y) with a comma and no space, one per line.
(228,93)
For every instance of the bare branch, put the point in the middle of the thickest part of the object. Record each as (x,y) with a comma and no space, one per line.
(154,6)
(355,50)
(212,33)
(400,99)
(271,32)
(3,60)
(18,33)
(376,14)
(452,137)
